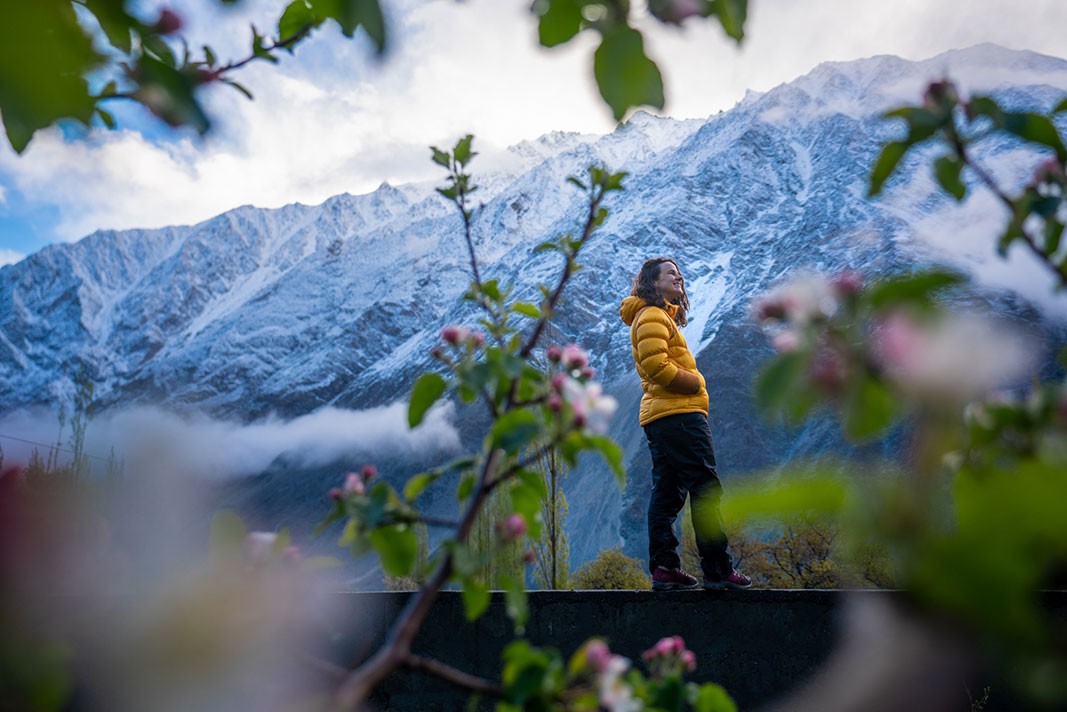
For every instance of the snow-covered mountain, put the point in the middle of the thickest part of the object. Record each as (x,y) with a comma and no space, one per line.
(280,313)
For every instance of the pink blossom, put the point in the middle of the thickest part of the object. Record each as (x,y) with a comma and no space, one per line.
(558,381)
(597,655)
(353,484)
(574,357)
(689,659)
(554,353)
(786,342)
(829,370)
(168,23)
(455,334)
(555,403)
(950,358)
(806,299)
(614,694)
(591,407)
(513,527)
(847,284)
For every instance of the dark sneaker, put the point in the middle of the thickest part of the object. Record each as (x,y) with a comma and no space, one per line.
(664,579)
(736,579)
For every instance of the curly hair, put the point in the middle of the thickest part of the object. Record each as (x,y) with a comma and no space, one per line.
(645,288)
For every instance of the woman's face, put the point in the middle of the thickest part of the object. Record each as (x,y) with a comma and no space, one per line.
(669,283)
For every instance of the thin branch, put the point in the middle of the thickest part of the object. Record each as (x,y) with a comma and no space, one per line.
(284,43)
(457,677)
(568,268)
(360,682)
(1059,270)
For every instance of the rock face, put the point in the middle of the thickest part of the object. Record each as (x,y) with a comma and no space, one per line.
(259,313)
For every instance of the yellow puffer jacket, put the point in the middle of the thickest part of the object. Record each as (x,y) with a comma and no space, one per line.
(668,371)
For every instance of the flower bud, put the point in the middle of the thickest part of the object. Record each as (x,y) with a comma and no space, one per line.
(555,403)
(477,338)
(455,334)
(554,353)
(574,357)
(847,284)
(530,556)
(940,95)
(368,473)
(512,528)
(335,493)
(353,484)
(597,654)
(168,23)
(689,659)
(588,373)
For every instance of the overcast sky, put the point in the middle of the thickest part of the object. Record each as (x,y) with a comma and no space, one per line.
(332,119)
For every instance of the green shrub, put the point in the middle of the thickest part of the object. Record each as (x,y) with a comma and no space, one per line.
(612,570)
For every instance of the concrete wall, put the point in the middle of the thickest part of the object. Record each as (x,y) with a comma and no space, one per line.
(757,644)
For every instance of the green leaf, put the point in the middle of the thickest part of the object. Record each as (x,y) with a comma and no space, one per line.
(947,171)
(869,410)
(398,548)
(710,697)
(625,76)
(475,598)
(916,289)
(418,483)
(491,289)
(298,14)
(462,151)
(558,21)
(778,379)
(106,117)
(114,21)
(169,94)
(1053,236)
(466,486)
(209,56)
(1031,127)
(515,430)
(614,181)
(612,454)
(885,165)
(353,14)
(526,309)
(515,599)
(792,493)
(427,389)
(1061,107)
(44,59)
(228,532)
(440,157)
(732,14)
(239,87)
(577,182)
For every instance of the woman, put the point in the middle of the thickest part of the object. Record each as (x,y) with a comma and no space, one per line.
(674,415)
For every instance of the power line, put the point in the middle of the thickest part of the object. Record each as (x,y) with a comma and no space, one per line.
(52,446)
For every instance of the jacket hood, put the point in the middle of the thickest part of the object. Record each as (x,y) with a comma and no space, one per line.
(631,305)
(629,308)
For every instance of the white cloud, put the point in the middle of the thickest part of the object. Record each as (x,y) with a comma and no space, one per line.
(331,119)
(9,257)
(205,447)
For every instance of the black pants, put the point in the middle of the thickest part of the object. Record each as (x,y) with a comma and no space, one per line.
(683,464)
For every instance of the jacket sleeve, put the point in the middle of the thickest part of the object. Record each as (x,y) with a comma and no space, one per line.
(653,333)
